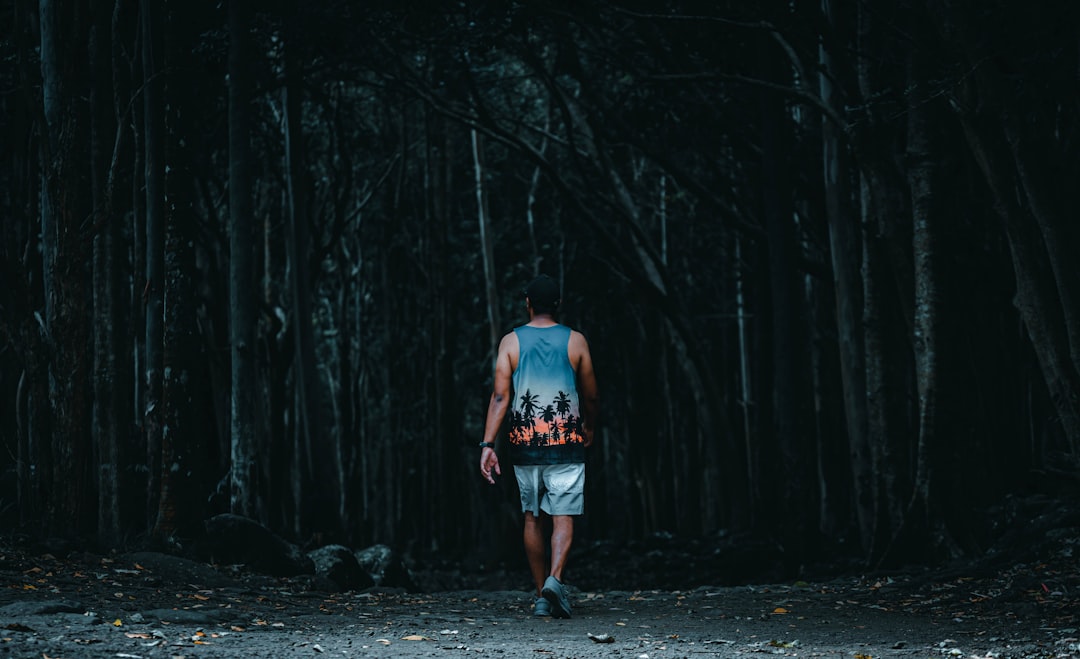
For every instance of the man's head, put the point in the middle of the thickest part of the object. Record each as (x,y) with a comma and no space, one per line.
(543,295)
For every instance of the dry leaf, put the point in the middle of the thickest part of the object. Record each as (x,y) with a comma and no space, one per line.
(780,610)
(415,637)
(117,623)
(602,638)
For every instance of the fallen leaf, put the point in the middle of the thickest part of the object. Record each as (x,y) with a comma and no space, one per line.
(117,623)
(780,610)
(415,637)
(602,638)
(784,644)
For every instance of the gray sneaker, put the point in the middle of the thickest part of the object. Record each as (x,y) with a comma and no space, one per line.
(555,594)
(541,608)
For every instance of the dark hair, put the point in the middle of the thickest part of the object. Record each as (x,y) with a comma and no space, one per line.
(543,294)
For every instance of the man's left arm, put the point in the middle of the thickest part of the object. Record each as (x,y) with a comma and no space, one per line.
(586,383)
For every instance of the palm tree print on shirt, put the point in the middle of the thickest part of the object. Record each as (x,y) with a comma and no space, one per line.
(534,423)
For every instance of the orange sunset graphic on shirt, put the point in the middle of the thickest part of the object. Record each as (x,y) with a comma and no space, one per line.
(536,422)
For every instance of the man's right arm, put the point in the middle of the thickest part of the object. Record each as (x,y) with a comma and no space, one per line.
(498,405)
(500,394)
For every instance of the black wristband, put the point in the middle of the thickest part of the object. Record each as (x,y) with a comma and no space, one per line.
(490,445)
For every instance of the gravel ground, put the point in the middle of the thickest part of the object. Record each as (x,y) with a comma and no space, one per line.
(153,605)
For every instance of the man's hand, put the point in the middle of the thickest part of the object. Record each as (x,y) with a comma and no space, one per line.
(489,462)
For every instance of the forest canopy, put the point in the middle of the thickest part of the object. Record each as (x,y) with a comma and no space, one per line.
(257,257)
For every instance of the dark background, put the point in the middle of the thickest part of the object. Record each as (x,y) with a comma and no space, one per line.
(256,257)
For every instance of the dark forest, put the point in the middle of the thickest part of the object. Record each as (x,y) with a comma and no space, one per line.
(256,258)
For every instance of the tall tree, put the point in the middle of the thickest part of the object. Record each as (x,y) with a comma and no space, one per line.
(845,252)
(316,489)
(786,317)
(153,286)
(886,279)
(112,389)
(184,436)
(243,413)
(1006,125)
(922,524)
(487,245)
(66,209)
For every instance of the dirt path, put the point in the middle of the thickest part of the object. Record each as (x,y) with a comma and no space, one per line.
(146,605)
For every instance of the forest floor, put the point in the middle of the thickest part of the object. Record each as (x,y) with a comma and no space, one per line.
(154,605)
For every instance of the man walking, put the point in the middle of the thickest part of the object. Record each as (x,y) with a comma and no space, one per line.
(549,370)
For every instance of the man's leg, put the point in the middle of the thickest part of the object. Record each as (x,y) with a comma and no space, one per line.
(536,549)
(562,535)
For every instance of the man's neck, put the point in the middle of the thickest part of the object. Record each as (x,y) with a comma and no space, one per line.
(541,320)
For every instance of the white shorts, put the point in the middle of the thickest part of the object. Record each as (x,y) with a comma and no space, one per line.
(554,489)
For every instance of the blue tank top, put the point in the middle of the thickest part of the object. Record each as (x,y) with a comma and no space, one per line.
(545,417)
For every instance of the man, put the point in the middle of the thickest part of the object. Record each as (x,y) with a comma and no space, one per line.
(550,370)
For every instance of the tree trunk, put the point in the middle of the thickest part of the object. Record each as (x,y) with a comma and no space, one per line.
(67,257)
(111,385)
(1041,243)
(1060,245)
(315,484)
(844,252)
(886,285)
(746,389)
(153,289)
(922,529)
(487,249)
(244,415)
(23,268)
(185,431)
(927,296)
(1036,296)
(792,504)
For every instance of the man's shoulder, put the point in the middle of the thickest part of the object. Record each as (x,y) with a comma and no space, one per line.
(509,340)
